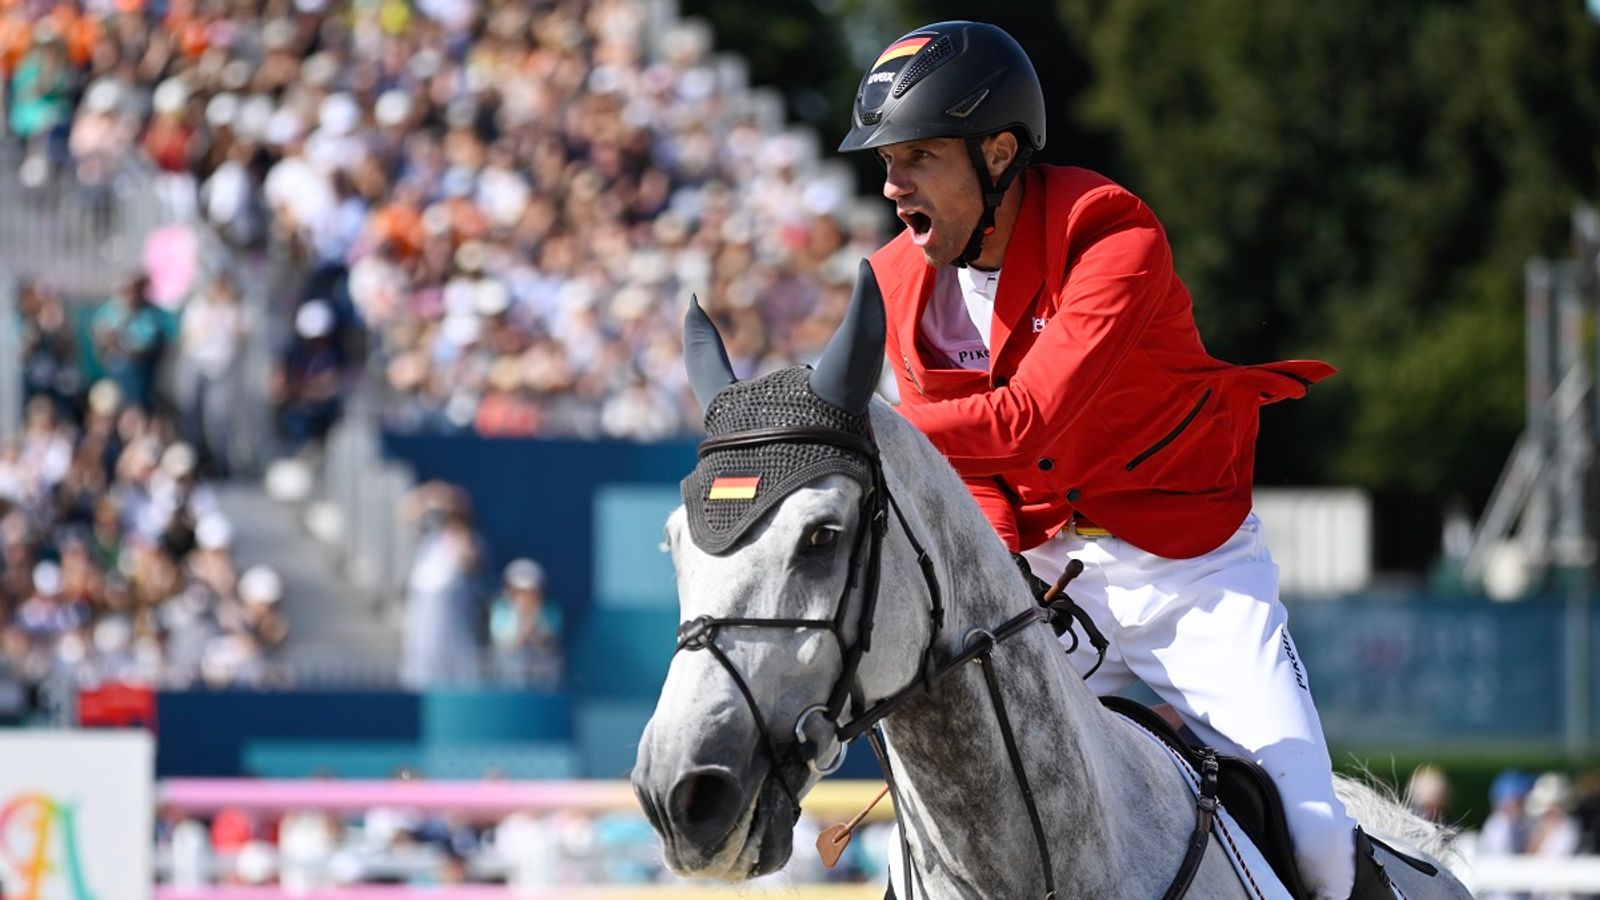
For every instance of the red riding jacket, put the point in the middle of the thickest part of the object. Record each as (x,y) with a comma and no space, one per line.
(1100,396)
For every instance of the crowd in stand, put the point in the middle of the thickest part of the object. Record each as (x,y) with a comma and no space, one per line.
(115,560)
(512,200)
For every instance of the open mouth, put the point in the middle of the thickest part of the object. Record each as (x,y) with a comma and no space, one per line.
(920,224)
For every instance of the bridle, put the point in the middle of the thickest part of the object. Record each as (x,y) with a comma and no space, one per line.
(866,556)
(865,560)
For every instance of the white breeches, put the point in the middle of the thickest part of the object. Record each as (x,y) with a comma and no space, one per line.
(1210,637)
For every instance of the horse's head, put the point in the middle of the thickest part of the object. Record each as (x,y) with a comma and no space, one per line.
(776,554)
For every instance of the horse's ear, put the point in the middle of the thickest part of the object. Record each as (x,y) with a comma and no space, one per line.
(704,356)
(849,369)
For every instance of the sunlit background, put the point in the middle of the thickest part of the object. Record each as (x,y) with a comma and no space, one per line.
(341,403)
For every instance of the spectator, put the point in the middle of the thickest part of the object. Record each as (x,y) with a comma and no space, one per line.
(41,90)
(128,340)
(524,628)
(305,388)
(260,592)
(441,618)
(50,358)
(1505,832)
(1552,831)
(210,343)
(1428,794)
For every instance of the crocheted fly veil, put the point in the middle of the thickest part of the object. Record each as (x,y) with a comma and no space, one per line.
(732,488)
(735,485)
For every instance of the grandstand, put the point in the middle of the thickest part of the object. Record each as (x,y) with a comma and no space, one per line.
(251,246)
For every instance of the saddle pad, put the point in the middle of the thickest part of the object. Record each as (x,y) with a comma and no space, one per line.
(1254,873)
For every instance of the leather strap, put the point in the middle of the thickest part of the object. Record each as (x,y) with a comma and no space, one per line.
(1205,812)
(986,663)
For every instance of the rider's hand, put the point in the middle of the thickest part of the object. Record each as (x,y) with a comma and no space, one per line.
(1038,587)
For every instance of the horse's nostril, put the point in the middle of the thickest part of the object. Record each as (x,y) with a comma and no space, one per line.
(705,805)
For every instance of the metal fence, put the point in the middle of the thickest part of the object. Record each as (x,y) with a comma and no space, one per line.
(83,239)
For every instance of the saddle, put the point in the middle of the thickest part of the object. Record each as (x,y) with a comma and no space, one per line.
(1245,789)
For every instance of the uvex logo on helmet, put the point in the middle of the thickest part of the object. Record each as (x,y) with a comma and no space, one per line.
(888,66)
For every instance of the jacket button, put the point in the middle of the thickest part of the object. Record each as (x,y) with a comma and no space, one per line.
(1073,495)
(1046,464)
(1001,381)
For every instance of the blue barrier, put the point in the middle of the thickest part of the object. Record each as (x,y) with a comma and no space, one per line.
(1386,672)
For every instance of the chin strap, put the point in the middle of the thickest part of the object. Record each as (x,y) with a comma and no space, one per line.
(994,193)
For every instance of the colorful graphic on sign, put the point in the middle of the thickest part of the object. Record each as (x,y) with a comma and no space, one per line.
(39,844)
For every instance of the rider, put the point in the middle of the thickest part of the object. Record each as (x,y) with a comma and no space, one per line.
(1076,400)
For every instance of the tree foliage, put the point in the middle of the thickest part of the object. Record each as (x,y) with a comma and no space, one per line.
(1362,182)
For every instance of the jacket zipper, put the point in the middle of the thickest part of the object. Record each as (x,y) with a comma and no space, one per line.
(1171,436)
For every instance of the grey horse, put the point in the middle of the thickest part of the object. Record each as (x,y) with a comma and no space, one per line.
(721,771)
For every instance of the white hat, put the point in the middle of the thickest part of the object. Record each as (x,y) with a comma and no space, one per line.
(222,109)
(213,532)
(491,298)
(178,460)
(314,319)
(525,574)
(103,96)
(461,329)
(261,584)
(47,578)
(1551,792)
(113,634)
(393,108)
(284,127)
(339,114)
(255,115)
(170,96)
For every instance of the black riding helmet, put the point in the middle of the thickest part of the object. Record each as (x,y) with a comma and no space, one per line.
(953,79)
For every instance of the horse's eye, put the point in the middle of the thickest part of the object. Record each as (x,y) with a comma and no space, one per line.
(822,538)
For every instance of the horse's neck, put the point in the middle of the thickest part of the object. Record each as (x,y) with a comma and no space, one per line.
(960,801)
(964,811)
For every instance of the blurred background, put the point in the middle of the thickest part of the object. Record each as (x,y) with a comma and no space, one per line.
(341,402)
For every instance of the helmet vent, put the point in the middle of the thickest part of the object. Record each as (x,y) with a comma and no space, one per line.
(932,57)
(966,106)
(871,116)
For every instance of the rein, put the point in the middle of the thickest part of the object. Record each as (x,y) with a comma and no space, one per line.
(980,643)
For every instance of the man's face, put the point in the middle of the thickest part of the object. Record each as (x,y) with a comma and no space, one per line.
(935,192)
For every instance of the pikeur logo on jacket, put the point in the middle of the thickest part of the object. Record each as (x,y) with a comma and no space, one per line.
(1100,396)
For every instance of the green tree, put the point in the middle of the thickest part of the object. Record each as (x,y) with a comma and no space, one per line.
(1361,182)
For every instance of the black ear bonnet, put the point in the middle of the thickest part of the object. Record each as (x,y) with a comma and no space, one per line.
(733,487)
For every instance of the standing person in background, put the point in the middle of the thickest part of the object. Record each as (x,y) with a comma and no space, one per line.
(305,386)
(41,101)
(128,340)
(1044,343)
(524,627)
(442,611)
(49,349)
(1552,831)
(209,345)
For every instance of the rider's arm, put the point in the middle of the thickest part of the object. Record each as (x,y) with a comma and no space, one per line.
(997,507)
(1119,272)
